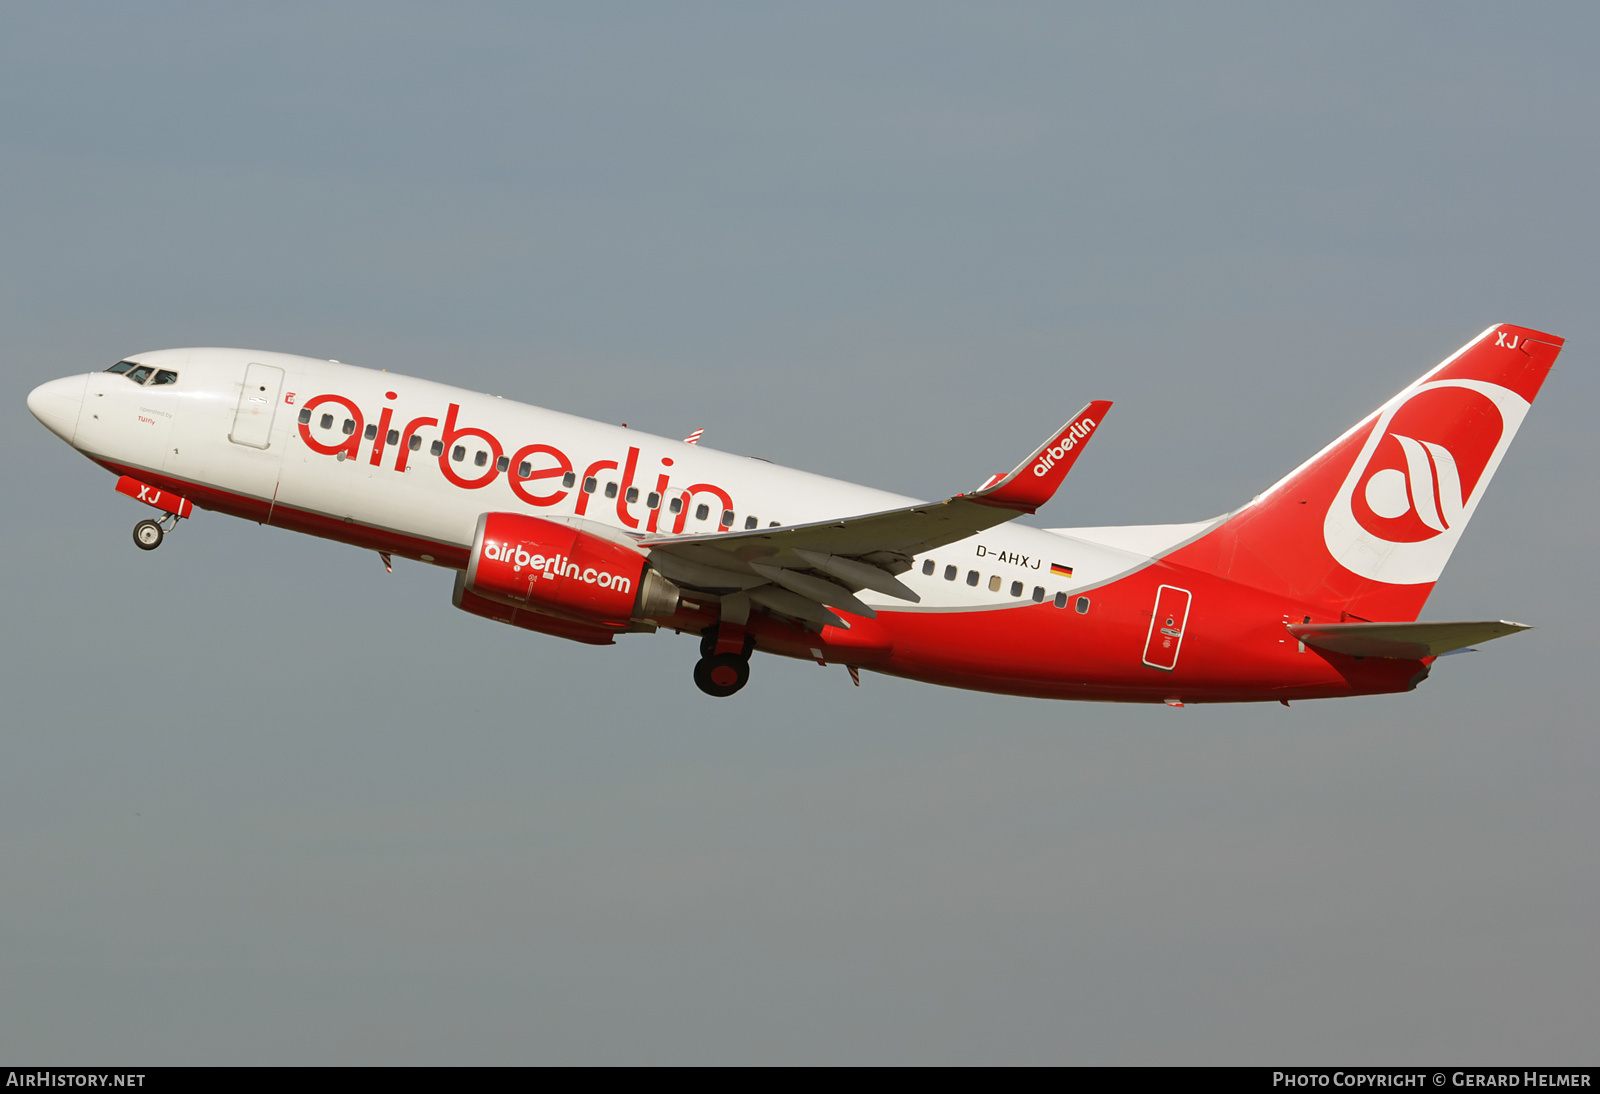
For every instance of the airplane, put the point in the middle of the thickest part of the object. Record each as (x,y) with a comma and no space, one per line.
(584,530)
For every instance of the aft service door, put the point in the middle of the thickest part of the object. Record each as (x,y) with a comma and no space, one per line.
(258,402)
(1166,628)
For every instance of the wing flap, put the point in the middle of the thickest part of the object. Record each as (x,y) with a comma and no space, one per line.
(860,575)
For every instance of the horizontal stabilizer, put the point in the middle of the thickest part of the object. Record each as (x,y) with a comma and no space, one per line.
(1406,641)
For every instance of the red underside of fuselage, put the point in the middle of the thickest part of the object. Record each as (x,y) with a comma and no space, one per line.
(1234,648)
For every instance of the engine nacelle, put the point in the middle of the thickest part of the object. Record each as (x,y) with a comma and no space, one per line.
(526,618)
(563,571)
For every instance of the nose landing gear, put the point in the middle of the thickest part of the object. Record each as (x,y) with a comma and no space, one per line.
(724,665)
(148,534)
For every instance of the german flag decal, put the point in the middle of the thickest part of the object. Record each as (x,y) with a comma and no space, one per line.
(1058,570)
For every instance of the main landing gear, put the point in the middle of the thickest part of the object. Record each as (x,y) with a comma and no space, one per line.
(721,674)
(725,672)
(148,534)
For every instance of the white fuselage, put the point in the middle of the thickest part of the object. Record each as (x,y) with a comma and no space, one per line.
(182,431)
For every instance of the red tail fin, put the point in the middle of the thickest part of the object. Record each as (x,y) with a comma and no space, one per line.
(1366,525)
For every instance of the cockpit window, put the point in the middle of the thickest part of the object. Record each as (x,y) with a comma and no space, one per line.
(142,374)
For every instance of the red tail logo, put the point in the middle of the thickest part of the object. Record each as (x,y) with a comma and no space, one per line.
(1367,524)
(1418,478)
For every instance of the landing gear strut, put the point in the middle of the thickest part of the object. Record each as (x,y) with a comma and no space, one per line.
(148,534)
(725,672)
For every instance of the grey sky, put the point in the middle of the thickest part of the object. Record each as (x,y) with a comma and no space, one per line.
(262,802)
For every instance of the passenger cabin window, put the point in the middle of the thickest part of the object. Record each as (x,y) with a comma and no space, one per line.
(349,426)
(458,453)
(727,518)
(1038,594)
(327,421)
(414,443)
(393,437)
(927,566)
(702,511)
(994,583)
(676,505)
(502,463)
(305,417)
(568,480)
(524,469)
(653,501)
(611,489)
(481,458)
(750,522)
(1016,588)
(371,432)
(436,448)
(972,577)
(949,573)
(1082,605)
(1061,600)
(632,495)
(589,484)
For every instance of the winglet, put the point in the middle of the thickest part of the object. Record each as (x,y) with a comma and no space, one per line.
(1035,480)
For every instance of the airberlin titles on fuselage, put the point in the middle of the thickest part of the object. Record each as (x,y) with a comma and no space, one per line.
(535,463)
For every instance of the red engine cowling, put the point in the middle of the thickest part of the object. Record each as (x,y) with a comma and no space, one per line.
(563,571)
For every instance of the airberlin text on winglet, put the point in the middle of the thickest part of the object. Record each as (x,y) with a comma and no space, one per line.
(1065,443)
(1049,464)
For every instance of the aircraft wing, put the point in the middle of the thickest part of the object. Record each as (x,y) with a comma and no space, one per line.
(1408,641)
(802,569)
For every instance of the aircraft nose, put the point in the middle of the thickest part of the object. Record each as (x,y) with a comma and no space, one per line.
(57,404)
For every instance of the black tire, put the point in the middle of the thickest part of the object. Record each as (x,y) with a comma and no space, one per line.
(721,674)
(147,535)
